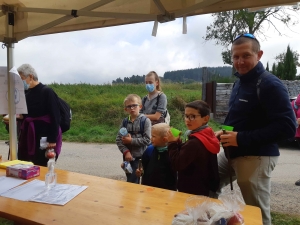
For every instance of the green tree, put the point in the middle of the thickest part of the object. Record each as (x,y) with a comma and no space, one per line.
(267,68)
(289,65)
(280,70)
(296,56)
(227,25)
(274,69)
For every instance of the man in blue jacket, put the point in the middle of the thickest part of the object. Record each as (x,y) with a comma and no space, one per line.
(261,114)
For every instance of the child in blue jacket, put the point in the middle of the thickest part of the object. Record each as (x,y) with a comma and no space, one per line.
(157,171)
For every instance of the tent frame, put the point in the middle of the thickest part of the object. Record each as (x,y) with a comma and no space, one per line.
(10,38)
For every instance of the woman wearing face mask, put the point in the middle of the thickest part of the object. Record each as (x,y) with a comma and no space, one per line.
(42,120)
(155,103)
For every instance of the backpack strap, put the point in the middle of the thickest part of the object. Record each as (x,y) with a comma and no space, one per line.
(157,101)
(125,122)
(263,75)
(142,124)
(144,101)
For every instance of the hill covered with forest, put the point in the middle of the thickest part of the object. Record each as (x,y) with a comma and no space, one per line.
(188,75)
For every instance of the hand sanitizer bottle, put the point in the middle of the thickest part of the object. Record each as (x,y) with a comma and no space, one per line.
(50,178)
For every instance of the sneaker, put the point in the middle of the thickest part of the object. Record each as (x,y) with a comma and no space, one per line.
(297,183)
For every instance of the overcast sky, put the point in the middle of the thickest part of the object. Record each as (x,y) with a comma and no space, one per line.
(102,55)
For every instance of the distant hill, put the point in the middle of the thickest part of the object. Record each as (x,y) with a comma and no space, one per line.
(196,73)
(180,75)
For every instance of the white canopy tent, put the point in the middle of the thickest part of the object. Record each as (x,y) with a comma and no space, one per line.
(20,19)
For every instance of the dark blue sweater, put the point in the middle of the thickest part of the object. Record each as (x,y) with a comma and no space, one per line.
(260,121)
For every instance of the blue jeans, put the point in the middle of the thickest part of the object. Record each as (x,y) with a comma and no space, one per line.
(131,177)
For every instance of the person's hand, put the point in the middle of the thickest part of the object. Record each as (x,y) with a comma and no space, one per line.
(218,134)
(298,121)
(128,157)
(139,172)
(51,145)
(19,116)
(229,139)
(126,139)
(171,137)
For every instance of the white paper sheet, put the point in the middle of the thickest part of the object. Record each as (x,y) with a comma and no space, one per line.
(20,101)
(7,183)
(36,191)
(60,194)
(26,191)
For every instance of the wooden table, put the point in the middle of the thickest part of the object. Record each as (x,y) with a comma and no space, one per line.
(106,201)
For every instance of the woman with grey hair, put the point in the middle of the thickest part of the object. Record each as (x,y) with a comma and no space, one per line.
(42,120)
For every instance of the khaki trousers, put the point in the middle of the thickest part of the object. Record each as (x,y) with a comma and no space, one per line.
(253,175)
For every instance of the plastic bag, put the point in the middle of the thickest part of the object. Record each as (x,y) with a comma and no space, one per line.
(200,210)
(197,207)
(219,214)
(233,201)
(183,219)
(127,167)
(43,143)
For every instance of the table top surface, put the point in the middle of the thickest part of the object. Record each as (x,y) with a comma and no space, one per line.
(106,201)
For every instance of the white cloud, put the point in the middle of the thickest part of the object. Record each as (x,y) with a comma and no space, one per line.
(102,55)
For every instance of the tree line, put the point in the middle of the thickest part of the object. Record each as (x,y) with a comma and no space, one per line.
(186,76)
(225,28)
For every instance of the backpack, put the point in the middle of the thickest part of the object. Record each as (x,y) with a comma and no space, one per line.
(65,115)
(142,124)
(167,116)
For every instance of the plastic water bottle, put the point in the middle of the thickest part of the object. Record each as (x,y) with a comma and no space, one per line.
(123,131)
(51,177)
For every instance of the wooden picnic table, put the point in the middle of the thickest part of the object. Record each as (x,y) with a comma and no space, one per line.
(106,202)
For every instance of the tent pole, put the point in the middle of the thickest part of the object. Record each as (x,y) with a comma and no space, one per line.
(11,88)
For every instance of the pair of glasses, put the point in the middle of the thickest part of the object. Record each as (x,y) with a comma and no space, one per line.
(247,35)
(190,117)
(133,106)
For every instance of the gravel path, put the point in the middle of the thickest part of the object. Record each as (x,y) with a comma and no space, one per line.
(104,160)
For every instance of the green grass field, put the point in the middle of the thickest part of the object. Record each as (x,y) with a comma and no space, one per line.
(98,112)
(98,109)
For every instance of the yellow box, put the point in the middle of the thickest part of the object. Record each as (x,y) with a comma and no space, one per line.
(13,162)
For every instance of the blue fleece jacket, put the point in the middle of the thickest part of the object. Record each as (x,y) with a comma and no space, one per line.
(261,120)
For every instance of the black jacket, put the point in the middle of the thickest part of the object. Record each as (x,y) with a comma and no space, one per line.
(261,120)
(157,169)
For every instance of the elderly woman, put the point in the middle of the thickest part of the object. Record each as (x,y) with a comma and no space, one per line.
(42,120)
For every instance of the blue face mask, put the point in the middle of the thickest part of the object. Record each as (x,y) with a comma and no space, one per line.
(150,87)
(26,86)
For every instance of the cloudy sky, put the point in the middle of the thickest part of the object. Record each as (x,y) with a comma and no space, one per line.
(100,56)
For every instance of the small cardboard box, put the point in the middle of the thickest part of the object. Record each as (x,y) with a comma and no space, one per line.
(23,171)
